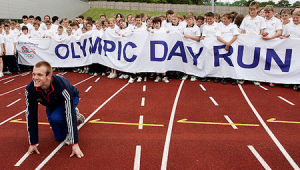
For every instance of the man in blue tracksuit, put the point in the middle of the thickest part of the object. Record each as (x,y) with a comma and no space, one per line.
(60,98)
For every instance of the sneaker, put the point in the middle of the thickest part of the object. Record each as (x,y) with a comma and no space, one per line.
(121,76)
(296,87)
(272,85)
(131,80)
(157,79)
(184,77)
(256,83)
(80,117)
(216,80)
(1,74)
(126,76)
(223,81)
(95,74)
(165,79)
(103,74)
(109,76)
(113,76)
(234,82)
(80,71)
(241,81)
(145,78)
(139,79)
(193,78)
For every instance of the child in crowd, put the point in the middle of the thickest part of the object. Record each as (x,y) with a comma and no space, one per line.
(227,33)
(25,36)
(1,52)
(10,51)
(285,19)
(273,27)
(253,24)
(192,35)
(36,32)
(49,32)
(158,29)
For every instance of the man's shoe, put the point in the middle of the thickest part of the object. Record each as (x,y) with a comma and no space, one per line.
(223,81)
(80,117)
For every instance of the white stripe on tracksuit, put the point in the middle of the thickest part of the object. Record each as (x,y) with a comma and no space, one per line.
(27,113)
(68,115)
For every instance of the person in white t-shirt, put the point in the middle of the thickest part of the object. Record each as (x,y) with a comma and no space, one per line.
(10,50)
(192,35)
(273,27)
(285,19)
(293,29)
(26,23)
(253,24)
(31,19)
(176,26)
(157,29)
(200,23)
(55,24)
(1,53)
(25,36)
(227,33)
(14,30)
(60,36)
(49,32)
(168,22)
(36,32)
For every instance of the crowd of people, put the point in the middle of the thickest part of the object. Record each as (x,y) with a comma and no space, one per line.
(264,22)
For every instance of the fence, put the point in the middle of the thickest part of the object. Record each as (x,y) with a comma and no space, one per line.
(164,7)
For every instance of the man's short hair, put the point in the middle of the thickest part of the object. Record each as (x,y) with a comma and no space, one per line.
(296,13)
(55,18)
(156,20)
(24,17)
(31,16)
(285,11)
(24,28)
(138,16)
(254,4)
(46,64)
(171,12)
(269,8)
(38,18)
(200,18)
(209,14)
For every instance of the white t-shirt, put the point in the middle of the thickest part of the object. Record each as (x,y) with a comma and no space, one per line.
(227,32)
(253,25)
(293,30)
(43,26)
(141,28)
(24,38)
(210,30)
(60,38)
(176,28)
(9,40)
(272,25)
(192,31)
(166,24)
(36,33)
(15,32)
(77,33)
(1,42)
(49,32)
(161,30)
(28,25)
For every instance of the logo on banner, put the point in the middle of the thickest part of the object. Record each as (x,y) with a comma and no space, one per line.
(29,53)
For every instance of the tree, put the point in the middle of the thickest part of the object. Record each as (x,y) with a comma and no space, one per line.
(283,4)
(263,4)
(296,4)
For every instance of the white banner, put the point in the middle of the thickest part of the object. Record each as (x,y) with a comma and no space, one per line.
(249,57)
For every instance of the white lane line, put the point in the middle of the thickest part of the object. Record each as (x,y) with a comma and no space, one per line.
(86,120)
(23,158)
(137,157)
(143,101)
(83,81)
(25,74)
(63,73)
(12,117)
(12,90)
(259,158)
(213,100)
(13,102)
(263,87)
(169,132)
(9,77)
(88,89)
(97,79)
(144,88)
(202,87)
(230,121)
(8,81)
(270,133)
(141,122)
(286,100)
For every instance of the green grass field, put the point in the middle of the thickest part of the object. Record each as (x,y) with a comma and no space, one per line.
(96,12)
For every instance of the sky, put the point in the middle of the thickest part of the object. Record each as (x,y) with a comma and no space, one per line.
(291,1)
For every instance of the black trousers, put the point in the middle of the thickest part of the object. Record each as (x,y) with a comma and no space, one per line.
(10,62)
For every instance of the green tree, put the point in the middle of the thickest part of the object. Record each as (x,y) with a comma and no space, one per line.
(263,4)
(283,4)
(296,4)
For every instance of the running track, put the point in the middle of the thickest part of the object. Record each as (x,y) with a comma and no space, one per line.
(180,125)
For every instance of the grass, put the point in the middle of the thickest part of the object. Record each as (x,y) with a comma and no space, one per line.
(110,13)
